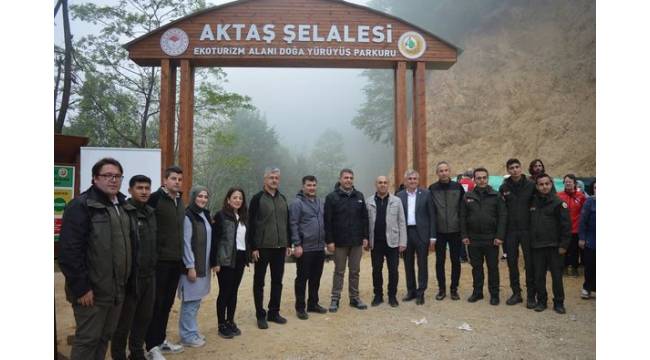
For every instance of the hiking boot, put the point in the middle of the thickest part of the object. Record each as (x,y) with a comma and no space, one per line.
(514,299)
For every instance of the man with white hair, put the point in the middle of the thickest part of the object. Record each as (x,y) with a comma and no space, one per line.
(421,234)
(268,236)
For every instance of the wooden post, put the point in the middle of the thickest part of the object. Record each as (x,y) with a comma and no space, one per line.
(186,126)
(420,122)
(399,140)
(167,113)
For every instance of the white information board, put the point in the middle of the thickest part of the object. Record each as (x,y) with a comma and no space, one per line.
(134,161)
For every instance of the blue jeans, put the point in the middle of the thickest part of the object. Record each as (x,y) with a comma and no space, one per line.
(188,328)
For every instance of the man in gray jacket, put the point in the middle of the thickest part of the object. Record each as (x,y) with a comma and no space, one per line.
(387,238)
(308,239)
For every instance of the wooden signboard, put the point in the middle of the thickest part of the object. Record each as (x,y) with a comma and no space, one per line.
(290,33)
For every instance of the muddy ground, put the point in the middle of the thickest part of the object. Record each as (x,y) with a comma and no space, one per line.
(505,332)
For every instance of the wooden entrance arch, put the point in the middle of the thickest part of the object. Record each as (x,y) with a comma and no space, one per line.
(290,33)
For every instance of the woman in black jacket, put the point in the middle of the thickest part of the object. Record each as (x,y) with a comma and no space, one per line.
(229,256)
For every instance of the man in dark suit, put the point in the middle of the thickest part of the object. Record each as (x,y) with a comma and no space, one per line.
(421,234)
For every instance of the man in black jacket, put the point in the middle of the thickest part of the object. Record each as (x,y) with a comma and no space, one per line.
(550,235)
(138,304)
(268,233)
(420,233)
(447,199)
(483,225)
(97,247)
(170,215)
(517,192)
(346,231)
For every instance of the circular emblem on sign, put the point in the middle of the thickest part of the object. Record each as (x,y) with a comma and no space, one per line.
(63,172)
(411,45)
(174,42)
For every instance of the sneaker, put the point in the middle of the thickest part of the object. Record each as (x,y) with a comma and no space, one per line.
(170,348)
(441,294)
(377,300)
(357,303)
(202,337)
(233,328)
(194,343)
(504,256)
(585,294)
(155,354)
(223,330)
(276,318)
(316,309)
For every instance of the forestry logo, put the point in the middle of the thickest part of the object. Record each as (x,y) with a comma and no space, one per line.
(411,45)
(174,42)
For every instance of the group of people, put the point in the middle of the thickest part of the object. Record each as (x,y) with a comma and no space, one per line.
(125,260)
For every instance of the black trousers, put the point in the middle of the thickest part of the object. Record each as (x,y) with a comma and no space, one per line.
(479,251)
(167,275)
(380,251)
(309,268)
(273,258)
(229,280)
(420,249)
(455,244)
(463,251)
(546,259)
(137,310)
(573,252)
(515,239)
(590,269)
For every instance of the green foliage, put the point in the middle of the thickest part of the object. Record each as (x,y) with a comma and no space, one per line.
(327,159)
(376,115)
(121,102)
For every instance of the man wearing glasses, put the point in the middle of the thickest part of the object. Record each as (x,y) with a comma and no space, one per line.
(98,234)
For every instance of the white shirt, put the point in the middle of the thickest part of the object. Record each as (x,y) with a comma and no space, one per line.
(241,236)
(410,218)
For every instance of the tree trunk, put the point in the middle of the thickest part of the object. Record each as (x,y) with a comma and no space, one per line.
(67,69)
(147,107)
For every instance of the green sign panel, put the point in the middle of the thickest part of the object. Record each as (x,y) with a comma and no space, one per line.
(64,176)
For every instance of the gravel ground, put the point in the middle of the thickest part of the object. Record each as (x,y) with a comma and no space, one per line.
(505,332)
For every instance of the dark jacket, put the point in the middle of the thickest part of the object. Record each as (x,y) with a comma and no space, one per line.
(588,223)
(147,251)
(268,218)
(224,243)
(346,218)
(307,223)
(483,215)
(169,220)
(91,255)
(425,213)
(518,196)
(199,239)
(550,225)
(447,199)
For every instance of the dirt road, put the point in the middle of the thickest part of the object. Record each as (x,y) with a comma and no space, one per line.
(504,332)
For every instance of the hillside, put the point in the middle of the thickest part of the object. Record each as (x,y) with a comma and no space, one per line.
(524,86)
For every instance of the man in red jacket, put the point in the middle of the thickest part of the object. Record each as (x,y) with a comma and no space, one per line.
(575,200)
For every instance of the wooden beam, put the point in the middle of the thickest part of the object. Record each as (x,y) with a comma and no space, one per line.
(186,127)
(399,140)
(167,114)
(420,122)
